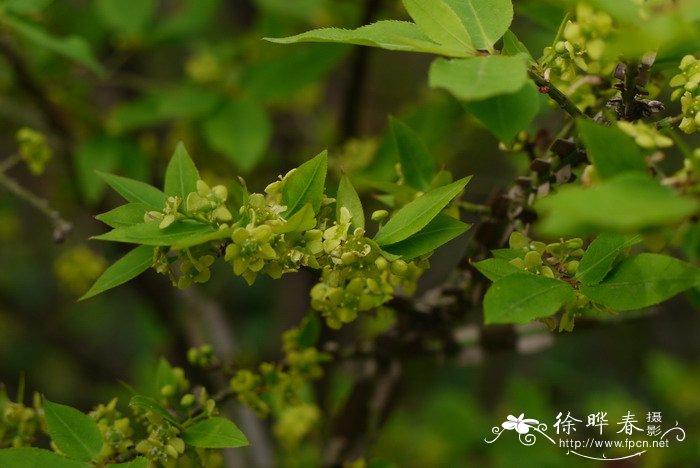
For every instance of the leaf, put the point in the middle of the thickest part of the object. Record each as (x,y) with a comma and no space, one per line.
(507,254)
(214,433)
(135,191)
(347,197)
(479,78)
(181,176)
(521,298)
(486,20)
(642,281)
(74,433)
(306,184)
(126,16)
(440,23)
(241,130)
(390,35)
(506,114)
(496,268)
(138,462)
(148,404)
(416,215)
(439,231)
(150,234)
(513,46)
(101,153)
(125,215)
(601,255)
(610,150)
(73,47)
(202,238)
(126,268)
(416,163)
(625,203)
(30,457)
(191,17)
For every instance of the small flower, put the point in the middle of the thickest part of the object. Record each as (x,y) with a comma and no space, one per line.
(521,426)
(33,149)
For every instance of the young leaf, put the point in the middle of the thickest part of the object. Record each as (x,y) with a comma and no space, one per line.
(440,23)
(148,404)
(610,150)
(521,298)
(125,215)
(151,234)
(416,162)
(506,114)
(600,256)
(74,433)
(391,35)
(507,254)
(486,20)
(496,268)
(626,203)
(479,78)
(439,231)
(138,462)
(165,375)
(181,176)
(214,433)
(202,238)
(416,215)
(306,184)
(135,191)
(241,130)
(302,220)
(642,281)
(513,46)
(30,457)
(126,268)
(347,197)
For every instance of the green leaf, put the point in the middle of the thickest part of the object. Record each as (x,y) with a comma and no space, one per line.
(416,163)
(135,191)
(507,254)
(496,268)
(479,78)
(513,46)
(126,268)
(306,185)
(416,215)
(439,231)
(302,220)
(506,114)
(486,20)
(241,130)
(214,433)
(125,215)
(600,256)
(165,375)
(440,23)
(126,16)
(191,17)
(138,462)
(202,238)
(610,150)
(24,7)
(150,234)
(29,457)
(181,176)
(521,298)
(391,35)
(74,433)
(642,281)
(626,203)
(98,153)
(347,197)
(72,47)
(148,404)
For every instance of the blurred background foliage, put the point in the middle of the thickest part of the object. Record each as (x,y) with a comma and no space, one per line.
(114,84)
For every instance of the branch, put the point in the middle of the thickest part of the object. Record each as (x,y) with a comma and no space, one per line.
(556,95)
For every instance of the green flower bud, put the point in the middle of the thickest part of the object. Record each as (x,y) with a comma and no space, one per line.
(379,215)
(187,400)
(399,267)
(571,267)
(518,241)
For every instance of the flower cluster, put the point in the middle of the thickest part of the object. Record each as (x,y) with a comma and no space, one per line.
(116,430)
(77,268)
(688,84)
(555,260)
(34,150)
(163,443)
(645,135)
(18,423)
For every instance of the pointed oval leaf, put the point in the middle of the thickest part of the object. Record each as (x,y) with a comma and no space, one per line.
(439,231)
(30,457)
(486,20)
(416,163)
(126,268)
(135,191)
(611,151)
(181,176)
(125,215)
(600,256)
(642,281)
(306,185)
(347,197)
(74,433)
(416,215)
(149,404)
(440,23)
(496,268)
(522,298)
(214,433)
(150,234)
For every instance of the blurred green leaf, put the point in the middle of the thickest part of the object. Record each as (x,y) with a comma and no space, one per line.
(181,176)
(439,231)
(241,131)
(25,6)
(138,462)
(126,268)
(486,20)
(126,16)
(512,46)
(416,215)
(440,23)
(496,268)
(521,298)
(191,17)
(214,433)
(99,153)
(74,433)
(416,163)
(29,457)
(600,256)
(347,197)
(150,234)
(306,185)
(610,150)
(124,215)
(148,404)
(642,281)
(135,191)
(478,78)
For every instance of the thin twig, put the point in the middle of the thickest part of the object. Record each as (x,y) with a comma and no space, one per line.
(556,95)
